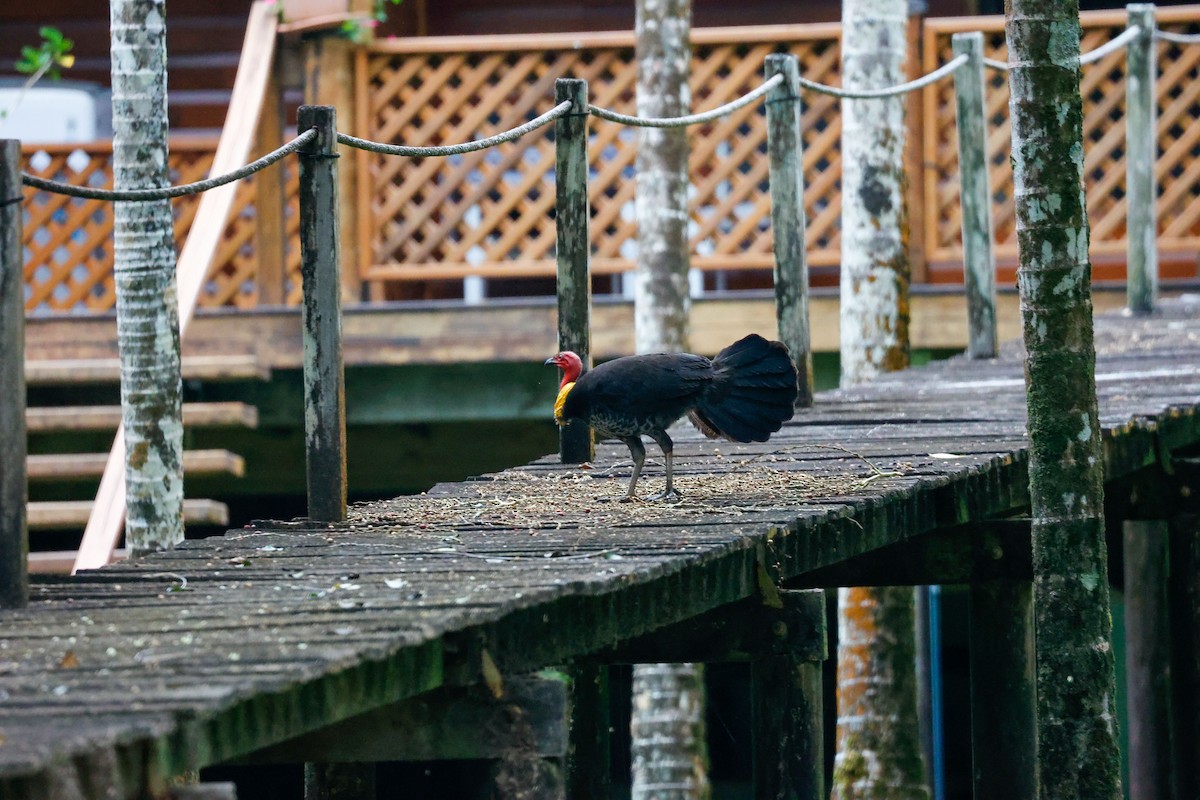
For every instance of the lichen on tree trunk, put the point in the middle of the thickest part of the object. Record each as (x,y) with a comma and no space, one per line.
(878,753)
(661,302)
(144,273)
(875,268)
(1076,694)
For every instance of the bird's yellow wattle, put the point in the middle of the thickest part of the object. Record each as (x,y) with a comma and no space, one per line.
(560,401)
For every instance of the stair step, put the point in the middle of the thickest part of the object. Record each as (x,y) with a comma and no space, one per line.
(60,371)
(230,414)
(63,466)
(64,514)
(60,562)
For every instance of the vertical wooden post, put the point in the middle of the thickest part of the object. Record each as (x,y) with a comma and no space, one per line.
(320,269)
(914,143)
(788,716)
(1141,153)
(1003,712)
(785,153)
(1147,659)
(1185,652)
(342,781)
(573,247)
(14,533)
(979,259)
(270,230)
(589,753)
(329,81)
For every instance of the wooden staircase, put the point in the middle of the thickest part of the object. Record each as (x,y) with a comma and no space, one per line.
(63,421)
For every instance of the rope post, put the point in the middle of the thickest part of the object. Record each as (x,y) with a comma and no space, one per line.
(572,247)
(979,258)
(320,270)
(785,153)
(14,533)
(1141,145)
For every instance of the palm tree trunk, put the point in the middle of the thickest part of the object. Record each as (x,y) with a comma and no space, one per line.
(1076,684)
(661,302)
(147,304)
(667,719)
(878,747)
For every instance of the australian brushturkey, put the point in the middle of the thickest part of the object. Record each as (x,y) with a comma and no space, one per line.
(744,394)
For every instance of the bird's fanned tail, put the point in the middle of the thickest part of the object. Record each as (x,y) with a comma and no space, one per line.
(752,394)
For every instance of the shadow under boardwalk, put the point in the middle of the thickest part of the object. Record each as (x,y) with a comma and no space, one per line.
(126,675)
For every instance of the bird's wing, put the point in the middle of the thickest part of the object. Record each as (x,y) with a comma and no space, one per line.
(642,384)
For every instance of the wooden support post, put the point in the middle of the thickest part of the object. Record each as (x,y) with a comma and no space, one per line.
(785,153)
(329,81)
(1003,727)
(344,781)
(573,247)
(589,753)
(1147,659)
(1185,652)
(1141,154)
(320,268)
(270,229)
(787,714)
(979,258)
(14,533)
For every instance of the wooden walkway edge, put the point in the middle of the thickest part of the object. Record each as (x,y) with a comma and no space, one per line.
(121,677)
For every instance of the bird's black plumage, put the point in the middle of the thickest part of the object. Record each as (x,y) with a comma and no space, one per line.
(744,394)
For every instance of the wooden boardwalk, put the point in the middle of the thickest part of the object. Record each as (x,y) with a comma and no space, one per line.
(115,680)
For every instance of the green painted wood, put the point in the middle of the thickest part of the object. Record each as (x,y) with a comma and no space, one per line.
(1141,154)
(785,155)
(573,247)
(14,534)
(1184,594)
(320,270)
(979,258)
(589,754)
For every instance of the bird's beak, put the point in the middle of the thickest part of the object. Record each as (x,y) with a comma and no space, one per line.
(552,361)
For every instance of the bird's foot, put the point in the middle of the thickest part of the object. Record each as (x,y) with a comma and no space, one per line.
(671,496)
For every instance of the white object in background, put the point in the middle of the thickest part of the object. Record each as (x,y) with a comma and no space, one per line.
(48,114)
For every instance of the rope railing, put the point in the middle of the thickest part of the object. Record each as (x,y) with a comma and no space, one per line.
(890,91)
(1177,38)
(513,134)
(1112,45)
(1092,56)
(168,192)
(691,119)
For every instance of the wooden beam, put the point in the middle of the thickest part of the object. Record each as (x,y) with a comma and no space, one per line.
(74,466)
(65,371)
(231,414)
(14,538)
(60,562)
(444,724)
(60,514)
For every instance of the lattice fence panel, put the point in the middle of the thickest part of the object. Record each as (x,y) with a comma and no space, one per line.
(68,241)
(491,213)
(1102,88)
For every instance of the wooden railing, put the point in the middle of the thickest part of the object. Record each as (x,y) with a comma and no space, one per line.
(69,266)
(427,224)
(1103,90)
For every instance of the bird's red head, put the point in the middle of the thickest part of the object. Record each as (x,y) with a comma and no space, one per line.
(569,363)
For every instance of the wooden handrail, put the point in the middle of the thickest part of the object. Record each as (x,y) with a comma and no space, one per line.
(258,49)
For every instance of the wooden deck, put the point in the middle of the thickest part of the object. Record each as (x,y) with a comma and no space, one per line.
(115,680)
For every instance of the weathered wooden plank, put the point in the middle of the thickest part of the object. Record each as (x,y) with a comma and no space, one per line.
(60,371)
(14,535)
(58,466)
(230,414)
(290,627)
(51,514)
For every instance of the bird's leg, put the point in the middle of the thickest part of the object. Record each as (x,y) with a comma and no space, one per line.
(668,448)
(638,451)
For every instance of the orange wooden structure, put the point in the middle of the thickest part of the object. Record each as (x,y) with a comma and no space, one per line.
(424,225)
